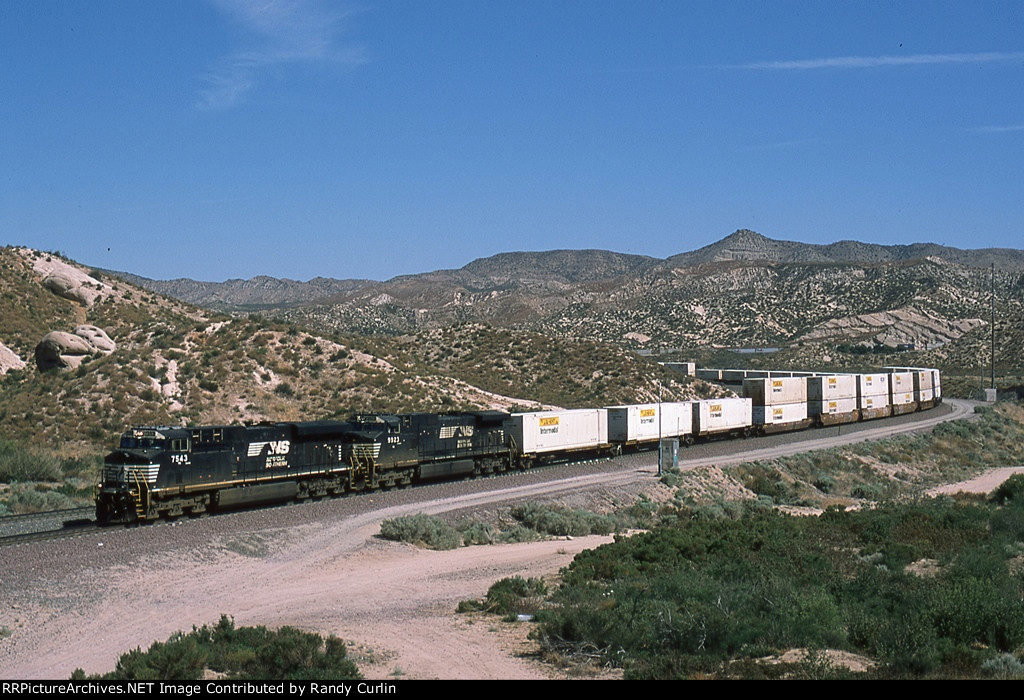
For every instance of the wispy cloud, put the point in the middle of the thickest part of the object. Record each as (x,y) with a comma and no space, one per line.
(278,32)
(923,59)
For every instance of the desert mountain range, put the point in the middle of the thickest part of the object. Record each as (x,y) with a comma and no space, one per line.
(558,328)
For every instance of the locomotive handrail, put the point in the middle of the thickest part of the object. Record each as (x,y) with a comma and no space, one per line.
(143,494)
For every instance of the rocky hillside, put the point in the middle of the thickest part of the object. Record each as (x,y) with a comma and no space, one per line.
(751,246)
(246,295)
(173,363)
(926,303)
(817,302)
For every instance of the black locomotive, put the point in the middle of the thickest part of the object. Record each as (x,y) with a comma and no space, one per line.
(170,471)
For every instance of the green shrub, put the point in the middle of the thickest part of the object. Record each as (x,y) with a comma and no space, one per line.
(516,596)
(478,533)
(518,533)
(692,597)
(423,530)
(562,522)
(22,464)
(244,653)
(1010,490)
(25,498)
(1003,666)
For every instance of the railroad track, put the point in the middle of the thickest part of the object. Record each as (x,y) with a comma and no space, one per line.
(59,524)
(46,525)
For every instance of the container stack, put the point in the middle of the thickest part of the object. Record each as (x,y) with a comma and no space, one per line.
(778,403)
(833,399)
(924,387)
(873,395)
(927,385)
(901,392)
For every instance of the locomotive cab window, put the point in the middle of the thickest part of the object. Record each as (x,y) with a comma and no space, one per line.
(181,445)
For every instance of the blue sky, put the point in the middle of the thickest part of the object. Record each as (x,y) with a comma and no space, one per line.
(297,138)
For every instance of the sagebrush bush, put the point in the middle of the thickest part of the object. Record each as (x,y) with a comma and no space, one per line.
(516,596)
(242,653)
(692,597)
(421,529)
(1003,666)
(21,464)
(478,533)
(561,522)
(1010,490)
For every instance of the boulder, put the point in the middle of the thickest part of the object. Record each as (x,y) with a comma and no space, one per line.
(9,360)
(98,337)
(79,288)
(61,350)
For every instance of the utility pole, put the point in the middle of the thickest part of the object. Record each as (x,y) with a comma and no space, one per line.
(993,325)
(661,455)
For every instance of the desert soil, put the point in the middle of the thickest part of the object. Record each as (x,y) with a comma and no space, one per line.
(82,602)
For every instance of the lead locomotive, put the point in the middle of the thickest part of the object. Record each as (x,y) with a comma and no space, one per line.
(163,471)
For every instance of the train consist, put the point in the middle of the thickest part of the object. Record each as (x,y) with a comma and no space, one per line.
(165,472)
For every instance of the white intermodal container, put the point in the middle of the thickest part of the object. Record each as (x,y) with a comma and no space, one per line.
(838,386)
(711,416)
(774,391)
(832,407)
(642,422)
(901,382)
(780,414)
(923,379)
(927,381)
(550,431)
(877,401)
(873,385)
(876,406)
(902,398)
